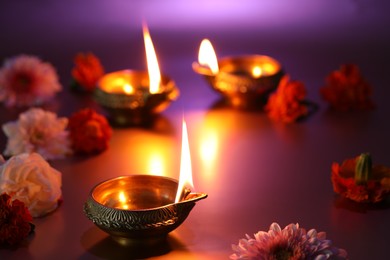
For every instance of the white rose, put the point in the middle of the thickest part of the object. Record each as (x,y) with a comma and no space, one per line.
(29,178)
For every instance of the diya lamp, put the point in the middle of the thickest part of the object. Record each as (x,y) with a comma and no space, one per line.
(245,81)
(132,97)
(144,208)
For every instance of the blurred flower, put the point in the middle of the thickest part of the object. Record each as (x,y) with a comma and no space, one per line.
(89,132)
(27,81)
(361,184)
(14,221)
(286,104)
(87,71)
(38,131)
(292,242)
(30,179)
(346,89)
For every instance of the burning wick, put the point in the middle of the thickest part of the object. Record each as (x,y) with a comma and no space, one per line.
(185,180)
(151,58)
(207,56)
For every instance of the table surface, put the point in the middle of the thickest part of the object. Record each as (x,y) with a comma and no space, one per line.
(255,171)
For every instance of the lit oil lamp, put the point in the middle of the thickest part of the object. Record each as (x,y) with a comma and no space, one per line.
(131,97)
(245,81)
(144,208)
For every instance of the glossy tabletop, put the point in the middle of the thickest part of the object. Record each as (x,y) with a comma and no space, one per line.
(255,171)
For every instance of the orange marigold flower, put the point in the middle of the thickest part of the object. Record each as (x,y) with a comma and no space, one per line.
(374,187)
(89,132)
(14,221)
(87,71)
(286,104)
(346,89)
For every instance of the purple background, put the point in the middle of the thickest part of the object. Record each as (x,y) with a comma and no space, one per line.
(262,172)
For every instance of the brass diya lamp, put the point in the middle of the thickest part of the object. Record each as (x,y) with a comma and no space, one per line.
(127,98)
(143,208)
(245,81)
(133,97)
(138,208)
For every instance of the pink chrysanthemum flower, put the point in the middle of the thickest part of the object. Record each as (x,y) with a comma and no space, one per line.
(38,131)
(290,243)
(27,81)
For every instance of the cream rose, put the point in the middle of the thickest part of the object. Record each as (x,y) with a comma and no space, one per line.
(29,178)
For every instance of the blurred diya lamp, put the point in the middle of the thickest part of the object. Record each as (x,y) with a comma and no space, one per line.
(143,208)
(132,97)
(245,81)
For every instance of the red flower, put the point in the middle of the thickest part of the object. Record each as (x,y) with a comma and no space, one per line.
(89,132)
(87,71)
(286,104)
(14,221)
(346,89)
(346,183)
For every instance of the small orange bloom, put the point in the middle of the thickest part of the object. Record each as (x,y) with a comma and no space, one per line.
(374,189)
(87,71)
(89,132)
(346,89)
(286,104)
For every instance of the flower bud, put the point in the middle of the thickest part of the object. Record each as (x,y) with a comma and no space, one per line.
(363,169)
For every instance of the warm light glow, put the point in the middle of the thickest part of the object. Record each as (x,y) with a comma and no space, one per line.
(185,180)
(156,164)
(209,147)
(270,68)
(122,198)
(210,141)
(207,56)
(257,72)
(153,69)
(117,84)
(128,89)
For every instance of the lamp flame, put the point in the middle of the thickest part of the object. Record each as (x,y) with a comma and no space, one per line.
(207,56)
(153,69)
(185,180)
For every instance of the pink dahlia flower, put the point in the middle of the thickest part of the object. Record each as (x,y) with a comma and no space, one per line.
(38,131)
(27,81)
(290,243)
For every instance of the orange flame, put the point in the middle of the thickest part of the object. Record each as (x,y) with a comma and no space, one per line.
(207,56)
(153,69)
(185,180)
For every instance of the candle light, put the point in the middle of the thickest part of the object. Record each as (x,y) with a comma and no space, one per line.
(207,56)
(185,180)
(245,81)
(153,69)
(132,97)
